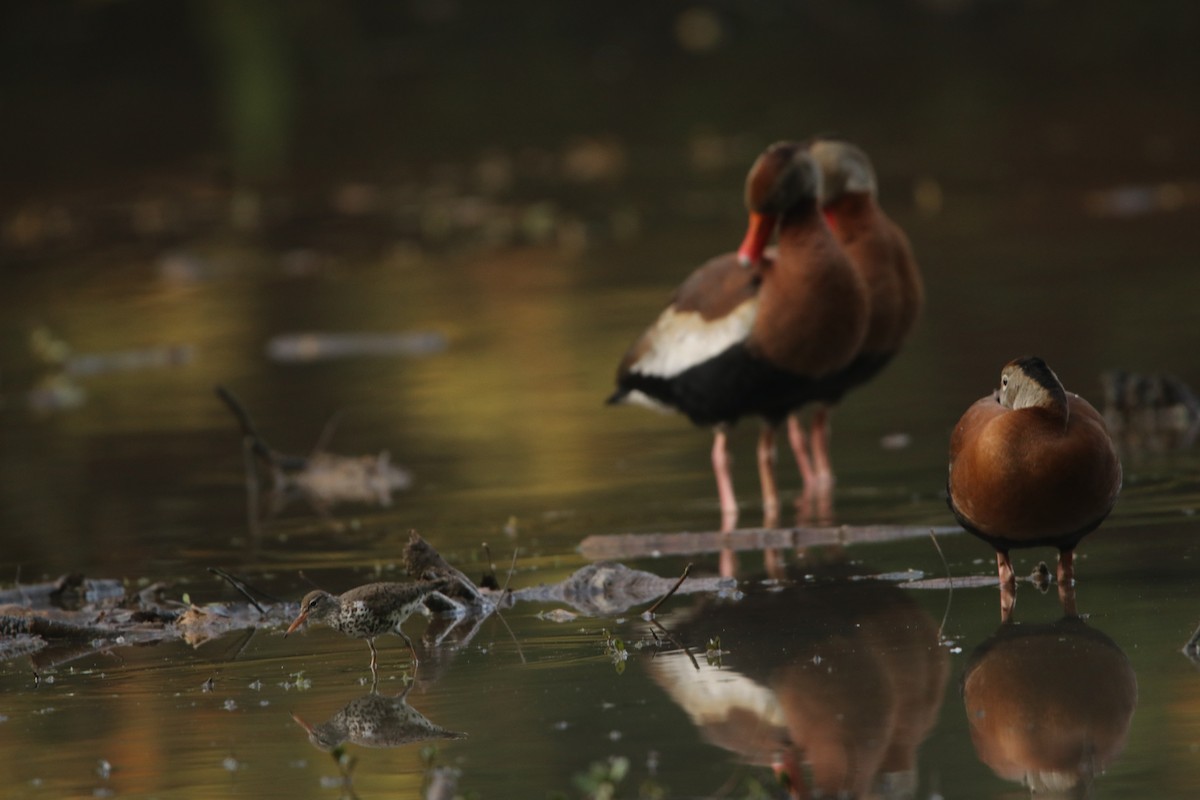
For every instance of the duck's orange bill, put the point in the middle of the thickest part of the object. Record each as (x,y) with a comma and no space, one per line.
(296,623)
(758,235)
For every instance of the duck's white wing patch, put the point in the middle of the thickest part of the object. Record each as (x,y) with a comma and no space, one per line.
(679,340)
(639,398)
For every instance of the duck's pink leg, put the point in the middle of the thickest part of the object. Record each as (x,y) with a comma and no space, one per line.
(720,463)
(1004,568)
(820,434)
(800,450)
(766,471)
(1066,568)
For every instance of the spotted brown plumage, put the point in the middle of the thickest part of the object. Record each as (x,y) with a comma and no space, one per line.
(750,335)
(368,611)
(1032,465)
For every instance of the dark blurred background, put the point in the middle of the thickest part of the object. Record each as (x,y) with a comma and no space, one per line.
(111,101)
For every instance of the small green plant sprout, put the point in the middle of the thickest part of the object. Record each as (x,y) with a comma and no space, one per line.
(614,648)
(602,777)
(713,652)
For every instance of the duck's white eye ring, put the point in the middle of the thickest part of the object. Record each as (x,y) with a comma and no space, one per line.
(1004,381)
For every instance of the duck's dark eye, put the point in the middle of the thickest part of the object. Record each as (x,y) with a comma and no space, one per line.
(1004,381)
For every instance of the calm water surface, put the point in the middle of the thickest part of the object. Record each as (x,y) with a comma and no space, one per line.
(508,443)
(1050,214)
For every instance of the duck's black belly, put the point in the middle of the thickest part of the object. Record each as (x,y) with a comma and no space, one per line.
(863,368)
(726,388)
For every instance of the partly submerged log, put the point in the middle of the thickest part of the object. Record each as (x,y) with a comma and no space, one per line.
(654,545)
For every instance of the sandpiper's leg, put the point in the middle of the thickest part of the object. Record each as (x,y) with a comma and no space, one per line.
(800,450)
(374,655)
(1066,568)
(411,649)
(766,472)
(820,434)
(720,463)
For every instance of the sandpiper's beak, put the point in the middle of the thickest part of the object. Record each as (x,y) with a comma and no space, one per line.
(296,623)
(299,721)
(758,234)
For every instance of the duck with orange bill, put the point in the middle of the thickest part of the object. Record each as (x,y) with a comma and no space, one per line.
(880,252)
(1032,465)
(751,335)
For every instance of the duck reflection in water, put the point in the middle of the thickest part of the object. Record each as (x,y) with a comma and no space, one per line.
(842,677)
(375,720)
(1049,705)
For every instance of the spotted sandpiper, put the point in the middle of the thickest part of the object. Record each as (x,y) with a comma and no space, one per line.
(368,611)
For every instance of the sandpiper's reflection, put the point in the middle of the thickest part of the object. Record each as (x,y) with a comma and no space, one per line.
(1049,705)
(375,720)
(843,677)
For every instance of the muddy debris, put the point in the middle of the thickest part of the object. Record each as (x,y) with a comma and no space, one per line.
(59,621)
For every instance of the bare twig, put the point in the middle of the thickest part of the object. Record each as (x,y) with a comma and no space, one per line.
(511,569)
(244,588)
(308,580)
(649,613)
(949,582)
(491,566)
(513,636)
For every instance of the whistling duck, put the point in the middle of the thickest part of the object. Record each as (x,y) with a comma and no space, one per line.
(835,683)
(747,334)
(1049,705)
(1032,465)
(880,252)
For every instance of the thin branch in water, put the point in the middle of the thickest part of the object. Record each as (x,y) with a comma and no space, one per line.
(242,587)
(649,613)
(490,577)
(308,580)
(949,582)
(511,569)
(516,642)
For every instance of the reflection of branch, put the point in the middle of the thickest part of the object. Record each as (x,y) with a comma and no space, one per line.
(686,650)
(649,612)
(949,583)
(257,444)
(516,642)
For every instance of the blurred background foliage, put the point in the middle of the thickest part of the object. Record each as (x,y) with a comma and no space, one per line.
(99,93)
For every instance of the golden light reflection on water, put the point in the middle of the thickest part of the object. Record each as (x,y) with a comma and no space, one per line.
(1019,204)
